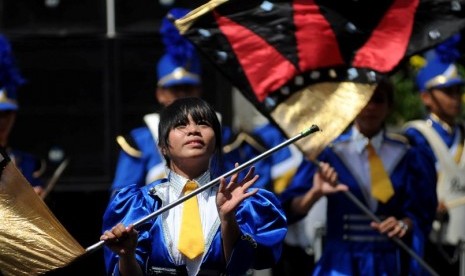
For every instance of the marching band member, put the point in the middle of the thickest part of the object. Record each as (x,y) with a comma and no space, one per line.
(441,136)
(232,228)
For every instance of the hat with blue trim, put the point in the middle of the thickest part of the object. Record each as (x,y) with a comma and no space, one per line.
(180,65)
(10,77)
(440,70)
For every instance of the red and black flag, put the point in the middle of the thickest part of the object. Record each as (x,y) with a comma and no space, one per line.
(306,62)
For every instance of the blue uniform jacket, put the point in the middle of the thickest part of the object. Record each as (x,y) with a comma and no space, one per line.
(351,246)
(418,140)
(133,170)
(275,170)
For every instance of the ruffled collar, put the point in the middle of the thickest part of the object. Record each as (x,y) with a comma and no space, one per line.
(177,181)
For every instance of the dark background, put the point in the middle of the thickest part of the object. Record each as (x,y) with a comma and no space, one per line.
(85,87)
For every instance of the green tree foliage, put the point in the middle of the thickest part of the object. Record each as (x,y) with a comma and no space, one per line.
(407,102)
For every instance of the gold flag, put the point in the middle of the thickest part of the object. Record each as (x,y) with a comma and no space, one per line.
(331,106)
(32,240)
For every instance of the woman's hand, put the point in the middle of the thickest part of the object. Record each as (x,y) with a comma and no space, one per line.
(230,195)
(393,227)
(121,240)
(325,181)
(228,198)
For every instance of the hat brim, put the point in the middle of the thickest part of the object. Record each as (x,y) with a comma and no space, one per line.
(449,83)
(8,107)
(182,81)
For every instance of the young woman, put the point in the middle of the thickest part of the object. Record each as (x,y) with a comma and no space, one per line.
(241,228)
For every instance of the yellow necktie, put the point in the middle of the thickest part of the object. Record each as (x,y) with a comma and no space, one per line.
(191,242)
(381,187)
(458,153)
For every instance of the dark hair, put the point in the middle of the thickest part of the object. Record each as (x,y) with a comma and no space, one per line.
(179,111)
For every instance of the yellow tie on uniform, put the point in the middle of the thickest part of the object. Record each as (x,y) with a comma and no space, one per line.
(381,186)
(458,153)
(191,242)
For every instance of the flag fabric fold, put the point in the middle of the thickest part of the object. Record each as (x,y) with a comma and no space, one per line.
(32,240)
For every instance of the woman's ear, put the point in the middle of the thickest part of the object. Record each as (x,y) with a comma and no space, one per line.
(426,98)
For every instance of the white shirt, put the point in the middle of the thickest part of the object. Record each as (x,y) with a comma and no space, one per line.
(171,191)
(355,157)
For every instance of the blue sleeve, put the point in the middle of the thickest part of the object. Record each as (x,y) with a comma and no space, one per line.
(423,188)
(284,162)
(419,142)
(263,227)
(422,202)
(128,206)
(300,184)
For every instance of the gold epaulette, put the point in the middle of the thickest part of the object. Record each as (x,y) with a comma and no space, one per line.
(40,171)
(240,139)
(127,147)
(398,137)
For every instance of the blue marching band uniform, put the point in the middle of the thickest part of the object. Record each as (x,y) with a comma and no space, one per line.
(443,143)
(275,171)
(259,246)
(139,160)
(351,245)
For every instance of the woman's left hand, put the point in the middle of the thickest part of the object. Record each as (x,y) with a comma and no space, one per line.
(231,194)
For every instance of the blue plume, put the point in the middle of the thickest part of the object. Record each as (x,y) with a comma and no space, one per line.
(177,46)
(10,77)
(448,51)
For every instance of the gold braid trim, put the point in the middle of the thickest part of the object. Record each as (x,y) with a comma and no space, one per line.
(127,148)
(398,137)
(39,172)
(243,137)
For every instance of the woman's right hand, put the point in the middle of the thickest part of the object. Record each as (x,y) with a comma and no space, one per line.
(121,240)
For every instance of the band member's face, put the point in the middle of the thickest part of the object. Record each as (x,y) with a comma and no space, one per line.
(191,142)
(446,103)
(371,118)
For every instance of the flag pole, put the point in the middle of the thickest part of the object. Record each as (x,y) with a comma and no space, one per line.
(53,180)
(213,182)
